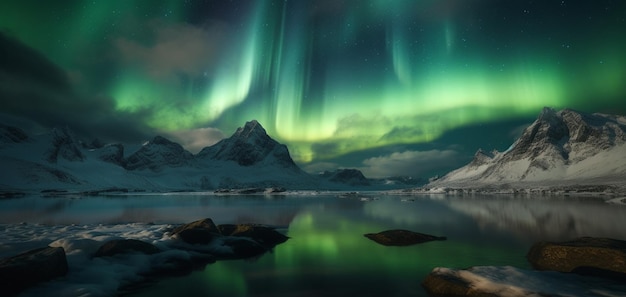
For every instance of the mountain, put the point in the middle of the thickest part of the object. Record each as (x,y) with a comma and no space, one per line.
(157,154)
(250,145)
(353,177)
(560,148)
(59,161)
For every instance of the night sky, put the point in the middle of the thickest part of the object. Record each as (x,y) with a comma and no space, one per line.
(392,87)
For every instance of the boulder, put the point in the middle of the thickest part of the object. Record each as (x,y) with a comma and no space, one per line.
(123,246)
(446,282)
(198,232)
(508,281)
(266,236)
(401,237)
(27,269)
(243,247)
(586,255)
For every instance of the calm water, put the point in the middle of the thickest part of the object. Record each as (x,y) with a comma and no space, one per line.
(327,254)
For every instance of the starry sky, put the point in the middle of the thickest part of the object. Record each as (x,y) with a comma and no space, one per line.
(392,87)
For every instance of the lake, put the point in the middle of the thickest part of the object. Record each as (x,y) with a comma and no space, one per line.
(327,254)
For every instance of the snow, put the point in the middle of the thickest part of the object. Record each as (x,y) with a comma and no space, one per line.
(26,169)
(89,276)
(102,276)
(507,281)
(560,149)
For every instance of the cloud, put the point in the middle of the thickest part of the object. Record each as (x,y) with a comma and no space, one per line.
(409,163)
(176,48)
(196,139)
(18,62)
(32,87)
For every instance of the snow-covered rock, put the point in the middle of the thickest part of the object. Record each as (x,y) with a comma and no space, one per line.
(507,281)
(564,147)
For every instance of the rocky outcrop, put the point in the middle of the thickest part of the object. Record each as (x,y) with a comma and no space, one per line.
(401,237)
(508,281)
(25,270)
(446,282)
(197,232)
(157,154)
(123,246)
(10,134)
(229,240)
(587,255)
(112,153)
(64,146)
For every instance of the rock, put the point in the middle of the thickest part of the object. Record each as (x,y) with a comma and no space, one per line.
(266,236)
(586,255)
(244,247)
(123,246)
(441,282)
(198,232)
(25,270)
(401,237)
(508,281)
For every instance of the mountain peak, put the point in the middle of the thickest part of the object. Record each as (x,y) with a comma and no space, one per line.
(249,145)
(157,153)
(251,129)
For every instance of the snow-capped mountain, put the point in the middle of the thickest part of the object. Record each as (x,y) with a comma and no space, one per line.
(250,145)
(157,154)
(353,177)
(58,160)
(560,147)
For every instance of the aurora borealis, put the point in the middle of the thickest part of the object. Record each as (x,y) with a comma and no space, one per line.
(371,84)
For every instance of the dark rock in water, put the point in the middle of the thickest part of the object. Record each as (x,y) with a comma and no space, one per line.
(123,246)
(244,247)
(245,240)
(587,255)
(266,236)
(26,270)
(198,232)
(401,237)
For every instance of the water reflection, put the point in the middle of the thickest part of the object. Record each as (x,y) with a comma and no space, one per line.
(327,253)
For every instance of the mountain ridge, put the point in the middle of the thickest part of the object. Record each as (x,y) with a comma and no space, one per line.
(59,161)
(563,147)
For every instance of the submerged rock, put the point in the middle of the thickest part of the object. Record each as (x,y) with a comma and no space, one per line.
(586,255)
(27,269)
(198,232)
(401,237)
(123,246)
(266,236)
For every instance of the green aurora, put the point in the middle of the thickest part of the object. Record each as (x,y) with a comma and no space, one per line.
(345,76)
